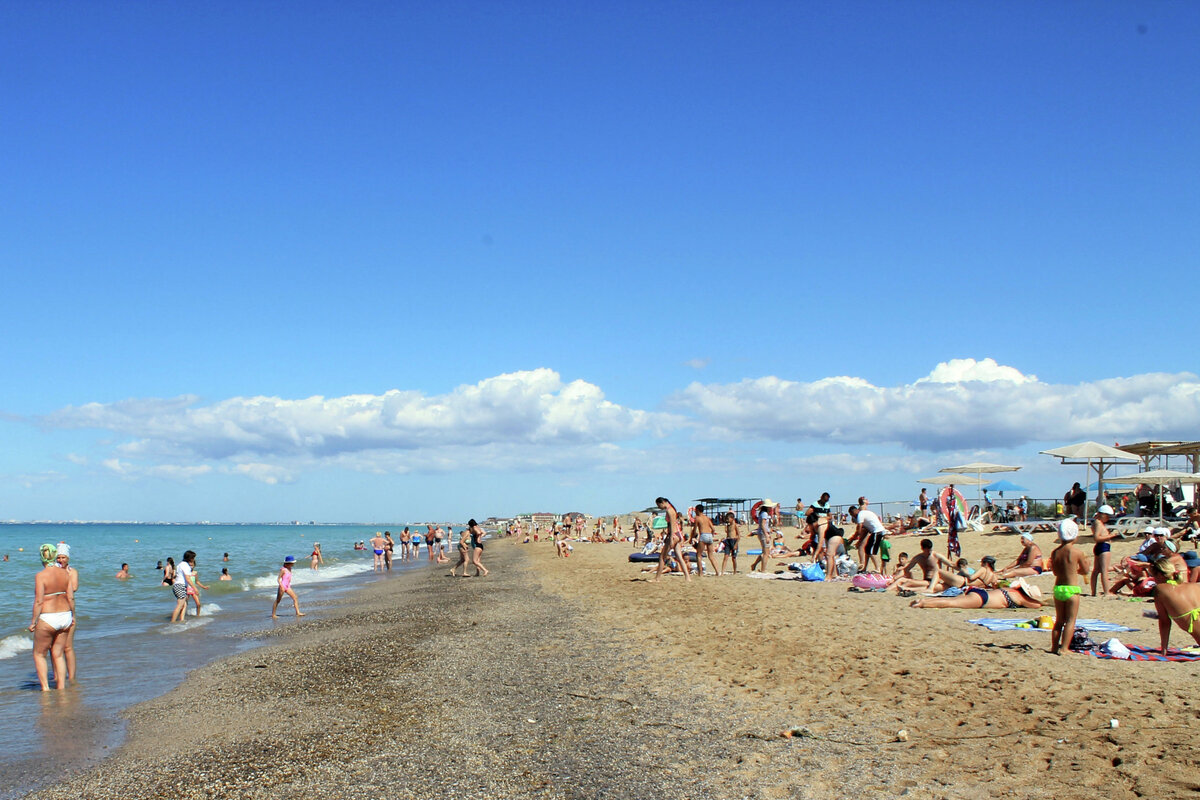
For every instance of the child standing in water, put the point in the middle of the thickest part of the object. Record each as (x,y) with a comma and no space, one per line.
(285,586)
(1070,569)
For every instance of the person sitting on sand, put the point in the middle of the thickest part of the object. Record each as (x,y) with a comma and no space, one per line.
(958,577)
(1070,566)
(927,561)
(1018,595)
(901,563)
(1029,562)
(1175,601)
(123,573)
(985,576)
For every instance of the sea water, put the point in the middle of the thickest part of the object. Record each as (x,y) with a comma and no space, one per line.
(126,648)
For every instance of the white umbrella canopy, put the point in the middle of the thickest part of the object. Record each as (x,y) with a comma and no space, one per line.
(1091,450)
(980,468)
(1088,452)
(957,480)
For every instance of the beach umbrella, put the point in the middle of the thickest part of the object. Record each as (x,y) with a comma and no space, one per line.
(1159,478)
(1005,486)
(957,480)
(978,469)
(1088,453)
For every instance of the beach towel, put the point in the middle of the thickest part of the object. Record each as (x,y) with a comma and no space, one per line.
(1137,653)
(1010,624)
(770,576)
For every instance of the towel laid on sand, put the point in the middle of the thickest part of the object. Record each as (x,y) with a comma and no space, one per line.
(1010,624)
(1137,653)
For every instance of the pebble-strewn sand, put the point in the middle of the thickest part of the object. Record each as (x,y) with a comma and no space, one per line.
(576,678)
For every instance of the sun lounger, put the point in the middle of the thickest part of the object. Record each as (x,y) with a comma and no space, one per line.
(1129,527)
(1031,526)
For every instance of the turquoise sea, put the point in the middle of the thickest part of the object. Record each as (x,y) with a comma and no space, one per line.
(127,650)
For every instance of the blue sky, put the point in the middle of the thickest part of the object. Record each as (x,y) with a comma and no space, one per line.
(595,254)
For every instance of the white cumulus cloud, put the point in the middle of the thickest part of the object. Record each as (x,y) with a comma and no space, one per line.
(960,404)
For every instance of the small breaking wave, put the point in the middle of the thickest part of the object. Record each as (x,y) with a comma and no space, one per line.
(11,646)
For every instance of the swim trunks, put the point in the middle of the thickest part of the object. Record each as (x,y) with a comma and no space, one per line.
(1066,592)
(872,545)
(731,546)
(706,538)
(179,590)
(378,552)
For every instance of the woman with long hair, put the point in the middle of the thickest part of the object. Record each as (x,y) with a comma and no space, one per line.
(53,616)
(672,541)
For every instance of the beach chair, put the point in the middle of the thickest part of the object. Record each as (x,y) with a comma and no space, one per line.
(1031,526)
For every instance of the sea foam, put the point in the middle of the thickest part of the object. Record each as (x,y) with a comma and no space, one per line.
(11,646)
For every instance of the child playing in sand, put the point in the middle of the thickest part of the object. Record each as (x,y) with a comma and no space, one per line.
(285,586)
(1070,569)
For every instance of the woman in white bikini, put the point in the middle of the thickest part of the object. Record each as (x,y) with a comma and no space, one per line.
(53,616)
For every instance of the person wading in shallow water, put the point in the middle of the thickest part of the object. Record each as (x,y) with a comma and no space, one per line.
(477,533)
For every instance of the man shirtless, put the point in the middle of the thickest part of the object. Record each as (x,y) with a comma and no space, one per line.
(379,546)
(1070,567)
(928,562)
(703,533)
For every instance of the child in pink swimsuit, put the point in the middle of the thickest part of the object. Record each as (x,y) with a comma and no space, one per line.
(285,586)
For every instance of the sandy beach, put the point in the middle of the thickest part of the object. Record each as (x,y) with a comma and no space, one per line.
(578,678)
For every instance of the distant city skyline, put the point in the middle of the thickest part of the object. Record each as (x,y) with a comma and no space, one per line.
(381,260)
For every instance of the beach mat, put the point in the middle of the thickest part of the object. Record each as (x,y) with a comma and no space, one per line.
(1138,653)
(1007,624)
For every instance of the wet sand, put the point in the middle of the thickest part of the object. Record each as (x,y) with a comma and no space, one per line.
(577,678)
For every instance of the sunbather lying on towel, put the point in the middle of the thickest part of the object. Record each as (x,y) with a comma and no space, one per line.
(1017,595)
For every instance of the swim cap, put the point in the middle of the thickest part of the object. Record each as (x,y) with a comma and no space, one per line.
(1027,535)
(1068,531)
(48,552)
(64,549)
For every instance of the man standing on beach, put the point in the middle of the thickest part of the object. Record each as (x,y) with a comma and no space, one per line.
(1070,566)
(870,532)
(702,530)
(379,546)
(1074,500)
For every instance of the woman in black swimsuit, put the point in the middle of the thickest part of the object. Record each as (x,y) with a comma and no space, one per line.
(477,533)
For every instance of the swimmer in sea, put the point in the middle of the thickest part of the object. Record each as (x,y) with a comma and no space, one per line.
(285,587)
(53,616)
(123,573)
(225,576)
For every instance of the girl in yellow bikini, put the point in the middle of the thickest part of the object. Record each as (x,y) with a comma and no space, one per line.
(1175,601)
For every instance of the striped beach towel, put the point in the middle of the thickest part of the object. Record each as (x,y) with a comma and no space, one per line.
(1137,653)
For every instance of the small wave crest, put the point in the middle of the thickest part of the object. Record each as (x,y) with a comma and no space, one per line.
(11,646)
(190,624)
(303,576)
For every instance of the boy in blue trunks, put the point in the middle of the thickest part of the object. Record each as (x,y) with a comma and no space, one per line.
(1070,570)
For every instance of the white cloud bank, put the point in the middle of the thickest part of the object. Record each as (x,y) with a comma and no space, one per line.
(960,404)
(534,420)
(269,438)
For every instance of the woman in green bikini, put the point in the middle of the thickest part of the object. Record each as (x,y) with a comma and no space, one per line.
(1175,601)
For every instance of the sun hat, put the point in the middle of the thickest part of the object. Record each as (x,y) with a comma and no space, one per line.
(1027,535)
(289,560)
(64,549)
(1031,591)
(769,502)
(1068,531)
(1162,532)
(1105,509)
(1172,547)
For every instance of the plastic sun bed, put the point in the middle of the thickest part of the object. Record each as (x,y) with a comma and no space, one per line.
(1030,525)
